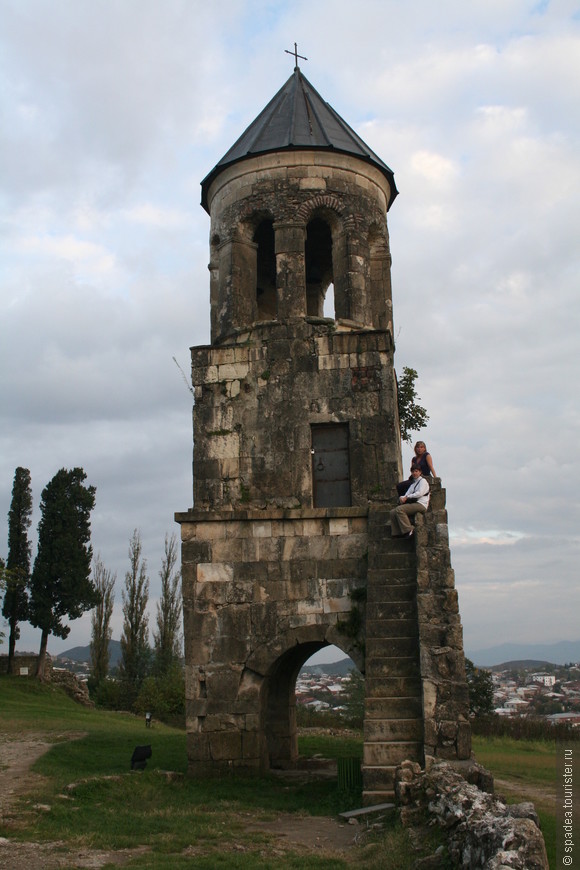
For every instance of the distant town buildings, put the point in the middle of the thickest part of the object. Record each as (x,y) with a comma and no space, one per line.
(555,695)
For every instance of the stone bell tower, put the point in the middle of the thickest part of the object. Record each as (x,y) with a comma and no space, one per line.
(296,452)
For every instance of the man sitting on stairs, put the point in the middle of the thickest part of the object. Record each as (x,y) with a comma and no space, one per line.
(415,501)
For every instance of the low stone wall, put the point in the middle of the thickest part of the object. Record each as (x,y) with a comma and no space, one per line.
(24,665)
(481,830)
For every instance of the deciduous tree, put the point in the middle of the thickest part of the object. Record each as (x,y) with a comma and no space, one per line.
(353,698)
(135,651)
(60,585)
(101,631)
(412,417)
(480,686)
(15,605)
(167,639)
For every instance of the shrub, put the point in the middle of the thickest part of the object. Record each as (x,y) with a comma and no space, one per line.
(163,697)
(108,695)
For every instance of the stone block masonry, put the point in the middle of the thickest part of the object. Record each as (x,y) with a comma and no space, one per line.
(257,399)
(296,453)
(263,589)
(260,587)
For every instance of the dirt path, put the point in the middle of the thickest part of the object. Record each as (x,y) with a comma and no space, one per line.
(16,758)
(540,796)
(292,833)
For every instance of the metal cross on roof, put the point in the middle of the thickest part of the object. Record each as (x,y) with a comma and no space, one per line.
(296,55)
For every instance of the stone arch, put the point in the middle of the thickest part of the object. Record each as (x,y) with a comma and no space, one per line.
(280,663)
(348,286)
(325,202)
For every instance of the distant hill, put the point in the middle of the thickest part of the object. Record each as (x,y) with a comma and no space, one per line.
(533,655)
(523,665)
(552,653)
(334,669)
(82,654)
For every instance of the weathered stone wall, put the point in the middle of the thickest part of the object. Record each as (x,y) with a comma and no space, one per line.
(481,830)
(76,689)
(255,403)
(447,732)
(25,665)
(289,190)
(262,590)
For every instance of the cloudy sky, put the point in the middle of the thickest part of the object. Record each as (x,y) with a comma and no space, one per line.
(112,113)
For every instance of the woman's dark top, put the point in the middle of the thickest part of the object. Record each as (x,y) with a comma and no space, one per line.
(421,462)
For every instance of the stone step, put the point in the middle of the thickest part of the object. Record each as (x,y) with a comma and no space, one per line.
(394,610)
(390,576)
(385,628)
(379,517)
(381,730)
(393,687)
(393,708)
(395,546)
(378,777)
(385,754)
(381,557)
(382,592)
(393,666)
(391,647)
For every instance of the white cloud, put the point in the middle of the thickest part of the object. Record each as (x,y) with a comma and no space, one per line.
(156,216)
(86,257)
(494,537)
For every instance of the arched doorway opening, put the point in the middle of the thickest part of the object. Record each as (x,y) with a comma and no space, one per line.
(330,692)
(279,710)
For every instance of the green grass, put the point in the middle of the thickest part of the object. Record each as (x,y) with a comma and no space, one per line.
(95,801)
(330,746)
(526,764)
(526,761)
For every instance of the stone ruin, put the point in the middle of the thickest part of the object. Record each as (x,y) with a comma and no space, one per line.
(481,829)
(296,454)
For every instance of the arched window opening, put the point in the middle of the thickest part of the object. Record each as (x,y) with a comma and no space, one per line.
(319,272)
(266,271)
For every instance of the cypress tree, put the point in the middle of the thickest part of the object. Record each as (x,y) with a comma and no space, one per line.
(60,585)
(15,605)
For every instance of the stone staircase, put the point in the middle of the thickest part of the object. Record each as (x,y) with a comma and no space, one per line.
(393,727)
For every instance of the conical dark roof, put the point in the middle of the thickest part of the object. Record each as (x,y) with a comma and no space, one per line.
(297,118)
